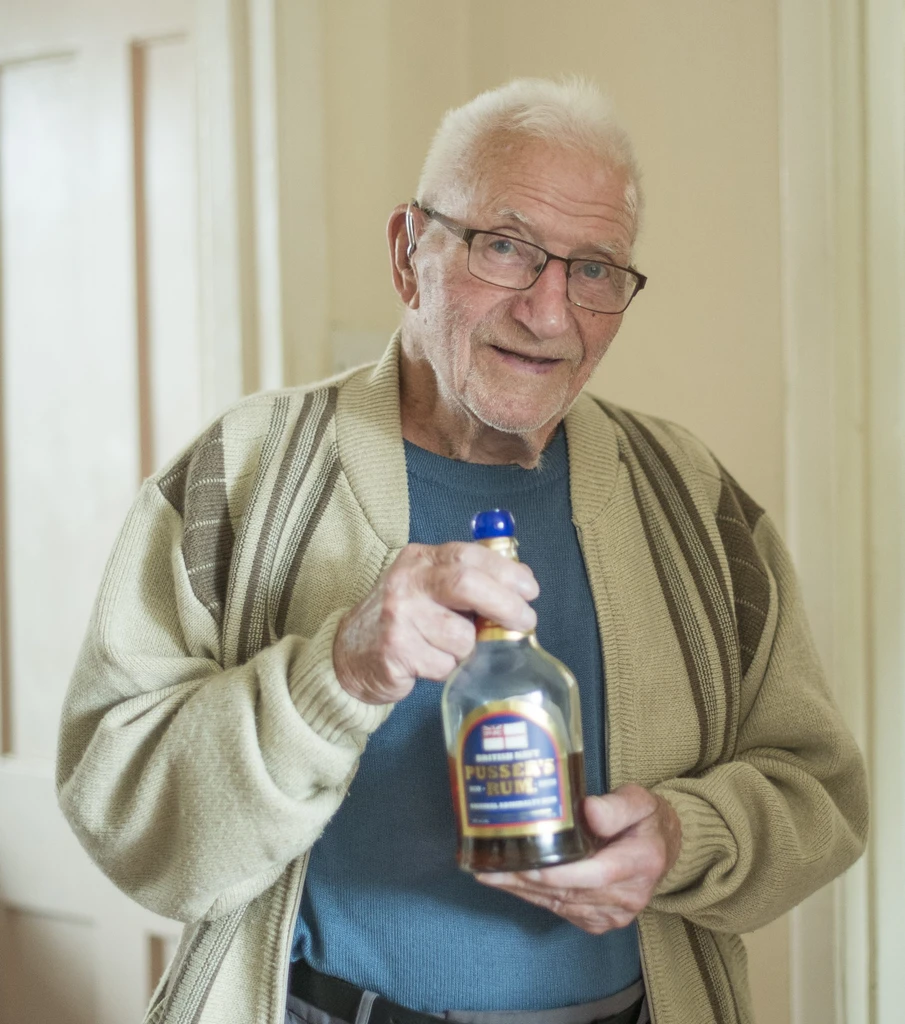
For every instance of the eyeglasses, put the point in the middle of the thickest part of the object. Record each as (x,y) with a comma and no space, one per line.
(594,284)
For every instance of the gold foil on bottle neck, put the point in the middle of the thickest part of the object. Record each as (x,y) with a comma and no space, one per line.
(494,632)
(505,546)
(486,628)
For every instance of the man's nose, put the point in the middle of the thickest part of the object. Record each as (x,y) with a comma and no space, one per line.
(544,307)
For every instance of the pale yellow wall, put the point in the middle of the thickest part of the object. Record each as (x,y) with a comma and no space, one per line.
(697,86)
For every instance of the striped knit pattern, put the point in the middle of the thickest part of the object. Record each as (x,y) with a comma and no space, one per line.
(284,515)
(737,517)
(253,621)
(687,565)
(264,602)
(264,607)
(196,488)
(195,969)
(712,968)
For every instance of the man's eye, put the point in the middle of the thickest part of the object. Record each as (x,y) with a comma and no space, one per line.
(595,271)
(502,246)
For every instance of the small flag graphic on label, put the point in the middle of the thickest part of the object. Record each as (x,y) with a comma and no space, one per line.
(511,736)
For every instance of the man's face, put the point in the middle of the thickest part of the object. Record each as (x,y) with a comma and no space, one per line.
(516,360)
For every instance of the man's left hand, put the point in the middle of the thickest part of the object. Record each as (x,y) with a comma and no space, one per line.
(640,837)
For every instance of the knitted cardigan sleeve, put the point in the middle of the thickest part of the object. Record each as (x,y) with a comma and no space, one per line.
(789,811)
(192,786)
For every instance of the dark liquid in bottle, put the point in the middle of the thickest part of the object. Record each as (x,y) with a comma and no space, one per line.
(522,853)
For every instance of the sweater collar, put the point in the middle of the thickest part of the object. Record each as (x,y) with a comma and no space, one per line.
(593,459)
(369,436)
(371,450)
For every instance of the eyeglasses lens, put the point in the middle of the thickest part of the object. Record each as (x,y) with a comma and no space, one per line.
(511,263)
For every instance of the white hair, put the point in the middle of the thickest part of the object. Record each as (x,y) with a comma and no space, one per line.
(573,114)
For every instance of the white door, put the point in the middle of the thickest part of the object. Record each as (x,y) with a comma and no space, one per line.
(100,382)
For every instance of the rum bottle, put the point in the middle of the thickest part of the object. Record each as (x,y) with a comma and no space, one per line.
(512,721)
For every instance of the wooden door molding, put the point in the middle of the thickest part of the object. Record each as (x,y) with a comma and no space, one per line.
(821,120)
(265,298)
(822,208)
(228,299)
(884,38)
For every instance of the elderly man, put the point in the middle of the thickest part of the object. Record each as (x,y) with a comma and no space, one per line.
(252,739)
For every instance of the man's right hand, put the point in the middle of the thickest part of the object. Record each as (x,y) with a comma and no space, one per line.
(415,622)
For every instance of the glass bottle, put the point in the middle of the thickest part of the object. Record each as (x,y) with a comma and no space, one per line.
(512,721)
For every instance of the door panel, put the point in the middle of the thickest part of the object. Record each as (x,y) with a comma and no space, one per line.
(100,355)
(43,958)
(61,506)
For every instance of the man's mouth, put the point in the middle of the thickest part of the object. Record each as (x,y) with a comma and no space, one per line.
(521,357)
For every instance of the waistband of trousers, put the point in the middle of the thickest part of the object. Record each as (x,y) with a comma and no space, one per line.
(350,1003)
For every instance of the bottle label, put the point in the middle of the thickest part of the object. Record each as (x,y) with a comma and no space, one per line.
(512,768)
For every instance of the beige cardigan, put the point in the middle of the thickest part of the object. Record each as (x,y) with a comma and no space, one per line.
(206,740)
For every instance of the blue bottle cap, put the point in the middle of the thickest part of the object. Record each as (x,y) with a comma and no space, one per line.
(496,522)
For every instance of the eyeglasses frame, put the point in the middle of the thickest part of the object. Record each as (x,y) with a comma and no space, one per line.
(467,235)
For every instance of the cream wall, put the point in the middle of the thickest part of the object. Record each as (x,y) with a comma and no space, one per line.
(697,86)
(695,83)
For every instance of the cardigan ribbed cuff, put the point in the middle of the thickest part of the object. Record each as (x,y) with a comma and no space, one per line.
(704,840)
(319,697)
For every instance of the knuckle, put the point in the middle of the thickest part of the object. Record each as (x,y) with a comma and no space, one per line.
(394,634)
(411,560)
(418,552)
(634,904)
(409,553)
(645,799)
(453,553)
(462,552)
(389,614)
(393,590)
(463,639)
(459,579)
(653,862)
(623,918)
(590,919)
(395,584)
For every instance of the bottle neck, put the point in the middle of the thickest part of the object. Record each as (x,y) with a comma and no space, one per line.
(487,630)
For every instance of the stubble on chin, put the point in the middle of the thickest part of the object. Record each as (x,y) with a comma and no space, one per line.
(467,377)
(510,409)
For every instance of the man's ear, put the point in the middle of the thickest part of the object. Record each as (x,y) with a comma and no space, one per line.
(402,243)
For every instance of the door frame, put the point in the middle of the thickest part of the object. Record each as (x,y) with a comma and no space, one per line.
(265,284)
(843,260)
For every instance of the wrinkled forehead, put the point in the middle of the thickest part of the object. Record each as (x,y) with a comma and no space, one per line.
(535,183)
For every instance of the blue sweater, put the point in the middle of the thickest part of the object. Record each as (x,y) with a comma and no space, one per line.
(385,905)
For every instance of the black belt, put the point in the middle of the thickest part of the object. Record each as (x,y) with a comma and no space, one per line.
(340,999)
